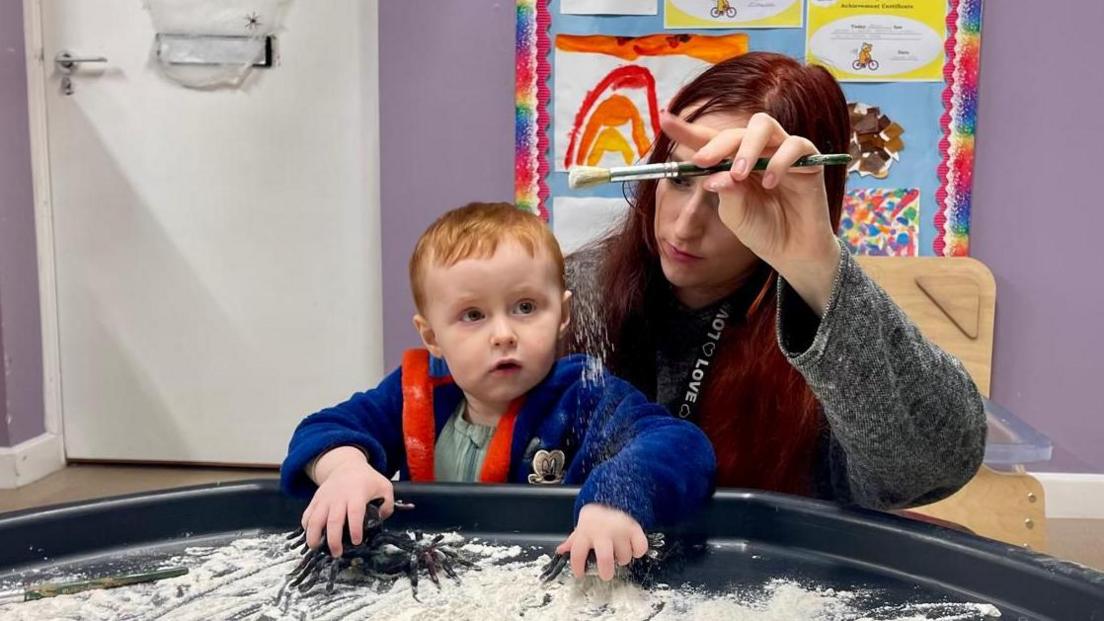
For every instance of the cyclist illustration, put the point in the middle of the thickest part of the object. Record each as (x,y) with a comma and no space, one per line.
(723,8)
(865,59)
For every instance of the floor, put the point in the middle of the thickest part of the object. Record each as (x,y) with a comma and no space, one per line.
(87,481)
(1076,540)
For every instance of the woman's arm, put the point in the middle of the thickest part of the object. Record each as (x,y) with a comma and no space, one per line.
(907,423)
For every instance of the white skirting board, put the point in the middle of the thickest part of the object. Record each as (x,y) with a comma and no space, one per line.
(1073,495)
(29,461)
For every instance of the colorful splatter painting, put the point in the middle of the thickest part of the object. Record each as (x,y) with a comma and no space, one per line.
(881,222)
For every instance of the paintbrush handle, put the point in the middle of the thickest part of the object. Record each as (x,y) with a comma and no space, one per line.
(667,170)
(821,159)
(41,591)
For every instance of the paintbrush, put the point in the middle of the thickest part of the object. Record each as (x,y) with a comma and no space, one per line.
(586,176)
(41,591)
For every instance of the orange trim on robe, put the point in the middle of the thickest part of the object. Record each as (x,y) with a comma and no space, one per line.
(420,430)
(496,465)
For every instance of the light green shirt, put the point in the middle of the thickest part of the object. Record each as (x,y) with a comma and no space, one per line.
(461,448)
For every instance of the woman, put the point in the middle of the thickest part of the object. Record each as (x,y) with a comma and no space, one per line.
(736,306)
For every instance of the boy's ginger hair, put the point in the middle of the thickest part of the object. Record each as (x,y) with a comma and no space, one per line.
(476,230)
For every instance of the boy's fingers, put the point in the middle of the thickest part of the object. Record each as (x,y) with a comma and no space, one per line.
(566,545)
(307,512)
(622,551)
(603,551)
(639,543)
(388,495)
(335,526)
(314,529)
(579,551)
(356,521)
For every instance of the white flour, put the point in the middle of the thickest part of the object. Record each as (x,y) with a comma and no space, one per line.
(240,581)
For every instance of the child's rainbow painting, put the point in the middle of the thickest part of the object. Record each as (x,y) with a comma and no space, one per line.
(607,108)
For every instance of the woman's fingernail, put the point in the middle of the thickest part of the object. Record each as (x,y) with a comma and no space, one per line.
(768,180)
(741,166)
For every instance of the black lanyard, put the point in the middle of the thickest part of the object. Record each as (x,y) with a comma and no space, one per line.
(696,380)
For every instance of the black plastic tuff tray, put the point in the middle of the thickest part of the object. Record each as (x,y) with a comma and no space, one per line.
(741,539)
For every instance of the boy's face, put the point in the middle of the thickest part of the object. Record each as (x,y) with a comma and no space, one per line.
(496,321)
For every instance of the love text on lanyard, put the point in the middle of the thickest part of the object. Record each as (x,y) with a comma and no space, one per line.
(701,365)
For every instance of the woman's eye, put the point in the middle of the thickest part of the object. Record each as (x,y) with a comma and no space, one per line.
(679,182)
(472,314)
(526,307)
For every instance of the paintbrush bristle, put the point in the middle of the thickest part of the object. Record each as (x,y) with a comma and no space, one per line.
(586,176)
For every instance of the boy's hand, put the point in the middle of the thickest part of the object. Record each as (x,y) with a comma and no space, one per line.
(346,483)
(613,535)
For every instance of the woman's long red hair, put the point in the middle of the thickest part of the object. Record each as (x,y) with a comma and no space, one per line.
(756,408)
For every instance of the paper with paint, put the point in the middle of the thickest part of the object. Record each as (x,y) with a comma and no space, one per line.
(732,14)
(881,222)
(609,7)
(577,221)
(876,141)
(877,42)
(608,91)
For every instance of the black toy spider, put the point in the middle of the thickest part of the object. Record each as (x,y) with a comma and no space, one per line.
(640,570)
(382,554)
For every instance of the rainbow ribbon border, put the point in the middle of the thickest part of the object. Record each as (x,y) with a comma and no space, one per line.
(531,106)
(956,148)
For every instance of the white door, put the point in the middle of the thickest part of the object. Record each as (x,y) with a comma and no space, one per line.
(216,252)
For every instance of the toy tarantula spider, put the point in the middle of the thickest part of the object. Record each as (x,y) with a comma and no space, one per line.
(382,554)
(639,569)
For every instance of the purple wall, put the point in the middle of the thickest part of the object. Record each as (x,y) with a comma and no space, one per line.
(21,413)
(1032,107)
(446,106)
(1038,140)
(446,129)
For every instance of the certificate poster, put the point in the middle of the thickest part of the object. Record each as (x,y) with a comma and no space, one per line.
(732,14)
(878,40)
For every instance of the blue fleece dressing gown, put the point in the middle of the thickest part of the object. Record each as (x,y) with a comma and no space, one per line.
(579,426)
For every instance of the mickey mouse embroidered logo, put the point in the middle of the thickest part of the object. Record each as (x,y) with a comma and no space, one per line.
(548,467)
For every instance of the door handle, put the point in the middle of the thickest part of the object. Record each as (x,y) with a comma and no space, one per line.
(66,61)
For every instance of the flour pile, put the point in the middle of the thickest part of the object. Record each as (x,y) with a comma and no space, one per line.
(240,581)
